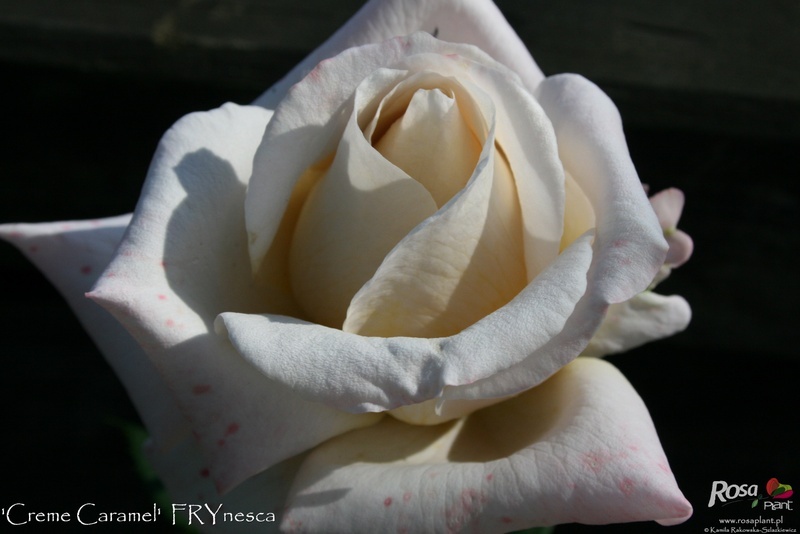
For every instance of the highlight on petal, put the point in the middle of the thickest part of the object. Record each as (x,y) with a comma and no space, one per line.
(645,317)
(474,22)
(579,448)
(182,262)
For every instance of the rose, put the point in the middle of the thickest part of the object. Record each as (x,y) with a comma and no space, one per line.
(576,446)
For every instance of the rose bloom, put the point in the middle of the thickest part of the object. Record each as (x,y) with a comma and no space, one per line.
(371,300)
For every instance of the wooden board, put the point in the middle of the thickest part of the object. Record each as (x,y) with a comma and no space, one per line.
(715,65)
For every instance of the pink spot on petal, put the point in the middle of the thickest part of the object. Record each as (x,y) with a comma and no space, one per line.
(489,477)
(407,496)
(170,323)
(626,486)
(33,249)
(205,473)
(387,501)
(86,269)
(162,297)
(232,429)
(221,442)
(506,519)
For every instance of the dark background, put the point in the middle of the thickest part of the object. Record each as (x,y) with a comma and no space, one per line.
(710,102)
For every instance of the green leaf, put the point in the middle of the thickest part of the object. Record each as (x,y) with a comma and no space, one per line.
(755,502)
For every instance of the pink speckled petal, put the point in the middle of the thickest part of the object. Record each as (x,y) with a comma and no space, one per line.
(646,317)
(182,262)
(581,447)
(475,22)
(72,254)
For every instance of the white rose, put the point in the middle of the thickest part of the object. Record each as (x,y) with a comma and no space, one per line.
(414,226)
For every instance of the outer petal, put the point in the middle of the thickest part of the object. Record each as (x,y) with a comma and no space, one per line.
(646,317)
(476,22)
(579,448)
(183,261)
(629,246)
(72,254)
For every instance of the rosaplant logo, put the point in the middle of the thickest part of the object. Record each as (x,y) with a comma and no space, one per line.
(776,497)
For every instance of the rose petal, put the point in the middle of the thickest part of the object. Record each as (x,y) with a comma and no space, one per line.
(374,373)
(579,448)
(476,22)
(457,267)
(680,248)
(72,254)
(668,205)
(356,214)
(182,262)
(433,144)
(645,317)
(629,246)
(579,213)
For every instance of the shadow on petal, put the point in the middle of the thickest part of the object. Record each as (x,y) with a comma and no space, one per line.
(205,251)
(504,429)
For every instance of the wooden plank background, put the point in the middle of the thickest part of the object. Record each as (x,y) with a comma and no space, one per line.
(718,65)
